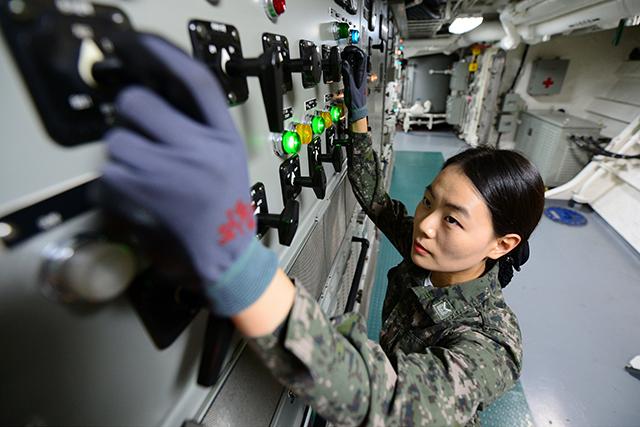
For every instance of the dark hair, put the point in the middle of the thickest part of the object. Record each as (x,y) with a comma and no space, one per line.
(514,192)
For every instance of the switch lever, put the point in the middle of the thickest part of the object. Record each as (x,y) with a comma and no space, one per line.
(334,153)
(286,222)
(331,64)
(309,64)
(317,179)
(218,46)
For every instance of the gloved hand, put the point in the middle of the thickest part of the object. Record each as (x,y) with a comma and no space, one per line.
(354,74)
(191,175)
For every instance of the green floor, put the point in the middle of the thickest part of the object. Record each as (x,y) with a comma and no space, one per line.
(414,170)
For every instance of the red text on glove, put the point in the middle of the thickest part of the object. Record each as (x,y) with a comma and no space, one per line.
(240,220)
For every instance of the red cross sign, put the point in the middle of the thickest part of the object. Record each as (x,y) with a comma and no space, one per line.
(548,83)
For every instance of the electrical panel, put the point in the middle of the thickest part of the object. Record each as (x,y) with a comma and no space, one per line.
(459,76)
(507,123)
(456,106)
(513,103)
(77,354)
(543,137)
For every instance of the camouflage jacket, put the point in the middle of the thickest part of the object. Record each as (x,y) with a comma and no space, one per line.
(444,353)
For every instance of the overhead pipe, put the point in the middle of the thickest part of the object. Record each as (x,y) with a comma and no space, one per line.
(604,15)
(512,38)
(413,3)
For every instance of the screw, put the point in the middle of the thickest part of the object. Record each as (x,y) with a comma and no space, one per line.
(6,230)
(117,18)
(17,7)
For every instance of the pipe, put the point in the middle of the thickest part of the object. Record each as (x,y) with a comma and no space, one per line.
(511,40)
(487,32)
(355,284)
(413,4)
(604,15)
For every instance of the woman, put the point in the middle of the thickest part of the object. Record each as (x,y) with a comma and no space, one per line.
(449,344)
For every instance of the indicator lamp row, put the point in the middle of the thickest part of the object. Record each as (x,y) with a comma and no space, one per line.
(290,141)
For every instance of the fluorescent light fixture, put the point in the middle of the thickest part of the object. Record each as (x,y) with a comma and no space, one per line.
(463,25)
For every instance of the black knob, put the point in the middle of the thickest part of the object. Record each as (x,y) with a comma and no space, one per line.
(309,64)
(335,157)
(286,222)
(380,46)
(317,179)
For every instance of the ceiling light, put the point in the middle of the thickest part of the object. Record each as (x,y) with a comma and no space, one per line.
(463,25)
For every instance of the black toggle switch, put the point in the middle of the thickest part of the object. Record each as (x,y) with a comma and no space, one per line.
(331,64)
(292,180)
(317,180)
(218,46)
(286,222)
(334,153)
(380,46)
(309,64)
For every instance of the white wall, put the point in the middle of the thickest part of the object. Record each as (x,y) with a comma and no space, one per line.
(603,86)
(593,62)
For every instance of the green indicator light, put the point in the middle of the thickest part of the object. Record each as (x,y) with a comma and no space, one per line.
(336,113)
(343,30)
(317,124)
(290,142)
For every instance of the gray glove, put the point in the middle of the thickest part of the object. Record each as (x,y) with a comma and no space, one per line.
(354,73)
(190,174)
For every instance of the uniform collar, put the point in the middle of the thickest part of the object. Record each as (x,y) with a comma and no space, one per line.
(446,303)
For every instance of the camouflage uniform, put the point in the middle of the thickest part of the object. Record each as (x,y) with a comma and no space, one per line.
(444,353)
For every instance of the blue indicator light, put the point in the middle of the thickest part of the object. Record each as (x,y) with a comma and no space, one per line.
(355,36)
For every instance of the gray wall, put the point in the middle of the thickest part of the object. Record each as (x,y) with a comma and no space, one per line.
(423,85)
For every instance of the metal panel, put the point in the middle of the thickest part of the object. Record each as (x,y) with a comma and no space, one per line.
(350,201)
(236,404)
(335,224)
(310,268)
(543,137)
(507,123)
(459,76)
(512,103)
(456,106)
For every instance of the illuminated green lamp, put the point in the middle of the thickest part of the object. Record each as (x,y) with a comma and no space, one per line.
(317,124)
(291,142)
(336,113)
(340,30)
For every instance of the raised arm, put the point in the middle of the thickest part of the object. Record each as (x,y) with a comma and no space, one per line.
(365,174)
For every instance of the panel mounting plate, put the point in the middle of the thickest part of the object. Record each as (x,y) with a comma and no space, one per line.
(259,199)
(215,44)
(281,43)
(289,171)
(45,38)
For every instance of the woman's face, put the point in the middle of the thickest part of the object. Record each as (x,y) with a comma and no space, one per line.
(452,228)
